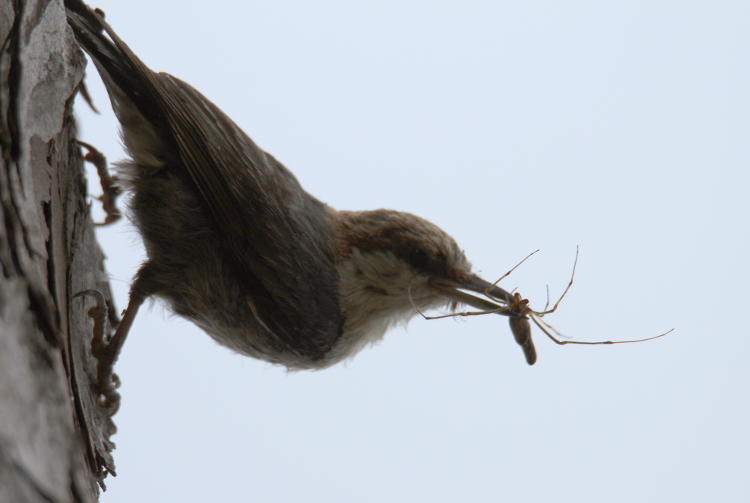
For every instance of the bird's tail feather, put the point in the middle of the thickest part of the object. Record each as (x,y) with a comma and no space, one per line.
(130,83)
(125,75)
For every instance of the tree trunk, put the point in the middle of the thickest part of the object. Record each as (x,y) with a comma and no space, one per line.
(54,435)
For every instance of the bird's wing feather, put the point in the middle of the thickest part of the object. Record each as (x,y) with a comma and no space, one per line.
(275,233)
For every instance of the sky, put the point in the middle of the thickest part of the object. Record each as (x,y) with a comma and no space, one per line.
(618,127)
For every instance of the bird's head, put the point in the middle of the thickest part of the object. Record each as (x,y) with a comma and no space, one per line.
(393,265)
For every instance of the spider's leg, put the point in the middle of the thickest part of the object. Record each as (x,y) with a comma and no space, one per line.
(487,290)
(570,283)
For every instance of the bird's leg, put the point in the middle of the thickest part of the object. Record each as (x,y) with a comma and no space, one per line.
(110,189)
(98,314)
(108,354)
(106,351)
(106,386)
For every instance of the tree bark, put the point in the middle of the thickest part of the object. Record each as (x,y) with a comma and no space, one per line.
(54,435)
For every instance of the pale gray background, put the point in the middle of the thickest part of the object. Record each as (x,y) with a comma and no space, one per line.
(621,127)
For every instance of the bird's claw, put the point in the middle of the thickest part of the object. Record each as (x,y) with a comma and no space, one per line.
(102,350)
(110,190)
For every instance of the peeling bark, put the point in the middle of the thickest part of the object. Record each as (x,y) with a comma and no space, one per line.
(54,436)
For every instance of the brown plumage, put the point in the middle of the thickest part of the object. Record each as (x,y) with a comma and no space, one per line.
(236,245)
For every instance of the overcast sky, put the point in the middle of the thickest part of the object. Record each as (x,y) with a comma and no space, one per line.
(621,127)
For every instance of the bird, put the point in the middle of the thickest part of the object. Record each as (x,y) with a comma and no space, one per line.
(237,246)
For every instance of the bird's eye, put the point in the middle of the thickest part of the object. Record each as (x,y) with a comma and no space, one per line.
(418,258)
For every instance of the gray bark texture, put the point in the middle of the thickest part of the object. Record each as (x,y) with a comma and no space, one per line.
(54,435)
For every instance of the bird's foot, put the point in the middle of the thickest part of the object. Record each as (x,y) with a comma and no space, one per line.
(110,190)
(105,354)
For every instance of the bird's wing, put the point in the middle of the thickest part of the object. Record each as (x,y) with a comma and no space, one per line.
(275,233)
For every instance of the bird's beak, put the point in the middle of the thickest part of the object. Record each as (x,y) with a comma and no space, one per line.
(519,322)
(456,292)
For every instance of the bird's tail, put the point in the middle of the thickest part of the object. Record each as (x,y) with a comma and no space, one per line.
(127,78)
(129,82)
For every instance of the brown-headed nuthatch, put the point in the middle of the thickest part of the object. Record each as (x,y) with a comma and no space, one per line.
(237,246)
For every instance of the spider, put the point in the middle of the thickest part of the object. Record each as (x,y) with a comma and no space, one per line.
(517,308)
